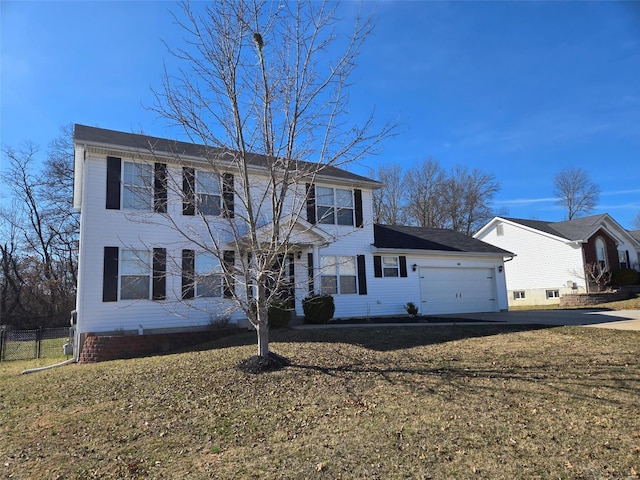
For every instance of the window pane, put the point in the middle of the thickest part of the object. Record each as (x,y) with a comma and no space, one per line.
(347,265)
(324,196)
(390,261)
(209,204)
(326,215)
(344,198)
(207,263)
(136,198)
(328,265)
(329,284)
(208,182)
(135,262)
(134,287)
(209,286)
(390,272)
(138,174)
(345,217)
(347,285)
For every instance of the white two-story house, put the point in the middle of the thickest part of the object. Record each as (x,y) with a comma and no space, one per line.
(148,206)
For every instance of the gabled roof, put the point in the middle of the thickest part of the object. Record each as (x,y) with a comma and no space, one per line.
(575,230)
(403,237)
(144,143)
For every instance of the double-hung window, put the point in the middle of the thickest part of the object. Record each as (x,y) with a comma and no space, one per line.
(390,267)
(135,274)
(208,193)
(208,275)
(335,206)
(137,182)
(338,275)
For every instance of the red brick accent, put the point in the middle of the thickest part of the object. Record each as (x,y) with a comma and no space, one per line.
(584,299)
(102,348)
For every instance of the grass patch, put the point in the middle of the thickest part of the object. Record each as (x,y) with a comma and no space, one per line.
(498,402)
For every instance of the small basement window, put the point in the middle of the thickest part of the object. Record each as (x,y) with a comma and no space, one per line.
(518,295)
(553,294)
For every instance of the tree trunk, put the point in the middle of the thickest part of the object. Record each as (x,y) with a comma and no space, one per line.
(263,338)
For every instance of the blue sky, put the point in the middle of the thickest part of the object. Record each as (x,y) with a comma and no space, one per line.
(518,89)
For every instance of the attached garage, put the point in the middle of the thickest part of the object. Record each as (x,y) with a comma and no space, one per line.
(457,290)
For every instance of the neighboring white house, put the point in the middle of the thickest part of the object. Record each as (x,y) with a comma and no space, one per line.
(133,261)
(551,257)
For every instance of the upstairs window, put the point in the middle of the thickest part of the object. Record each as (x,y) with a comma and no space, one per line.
(208,197)
(137,183)
(334,206)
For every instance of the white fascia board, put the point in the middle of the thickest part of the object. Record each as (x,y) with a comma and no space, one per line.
(488,226)
(78,171)
(415,251)
(544,234)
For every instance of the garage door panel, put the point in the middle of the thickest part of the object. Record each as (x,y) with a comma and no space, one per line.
(457,290)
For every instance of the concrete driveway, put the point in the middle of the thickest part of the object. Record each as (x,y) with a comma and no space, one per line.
(616,319)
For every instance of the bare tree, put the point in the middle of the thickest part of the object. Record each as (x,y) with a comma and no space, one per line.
(635,223)
(424,185)
(575,191)
(261,77)
(389,200)
(39,256)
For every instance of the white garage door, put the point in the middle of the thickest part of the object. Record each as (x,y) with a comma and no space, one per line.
(457,290)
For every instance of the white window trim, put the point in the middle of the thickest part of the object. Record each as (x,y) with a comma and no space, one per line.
(519,295)
(551,294)
(397,266)
(199,191)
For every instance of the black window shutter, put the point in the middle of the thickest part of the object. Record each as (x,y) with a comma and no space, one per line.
(114,165)
(377,266)
(227,195)
(229,283)
(362,276)
(311,204)
(159,273)
(403,266)
(160,188)
(188,273)
(357,194)
(110,275)
(188,191)
(310,272)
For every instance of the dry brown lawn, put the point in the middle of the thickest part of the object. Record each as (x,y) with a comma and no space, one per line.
(486,402)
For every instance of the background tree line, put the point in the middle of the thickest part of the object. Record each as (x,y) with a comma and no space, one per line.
(38,235)
(428,195)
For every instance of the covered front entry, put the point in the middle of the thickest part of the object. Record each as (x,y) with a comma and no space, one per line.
(457,290)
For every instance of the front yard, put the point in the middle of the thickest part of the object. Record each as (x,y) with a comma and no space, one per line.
(421,402)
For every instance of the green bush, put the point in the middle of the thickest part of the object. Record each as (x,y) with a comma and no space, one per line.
(411,308)
(628,276)
(278,315)
(318,308)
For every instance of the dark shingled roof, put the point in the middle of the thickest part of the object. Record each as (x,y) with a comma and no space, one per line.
(576,229)
(85,134)
(420,238)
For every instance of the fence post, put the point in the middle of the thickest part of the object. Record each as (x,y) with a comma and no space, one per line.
(2,335)
(38,341)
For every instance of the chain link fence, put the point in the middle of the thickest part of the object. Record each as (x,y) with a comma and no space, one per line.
(31,344)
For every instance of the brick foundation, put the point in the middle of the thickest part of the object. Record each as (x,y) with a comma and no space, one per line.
(585,299)
(98,348)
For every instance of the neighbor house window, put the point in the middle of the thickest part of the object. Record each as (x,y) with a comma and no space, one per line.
(601,253)
(338,275)
(518,295)
(334,206)
(208,197)
(135,274)
(137,182)
(623,256)
(208,275)
(553,294)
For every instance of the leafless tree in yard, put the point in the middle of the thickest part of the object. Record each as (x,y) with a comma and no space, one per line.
(267,78)
(575,191)
(635,223)
(389,201)
(424,183)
